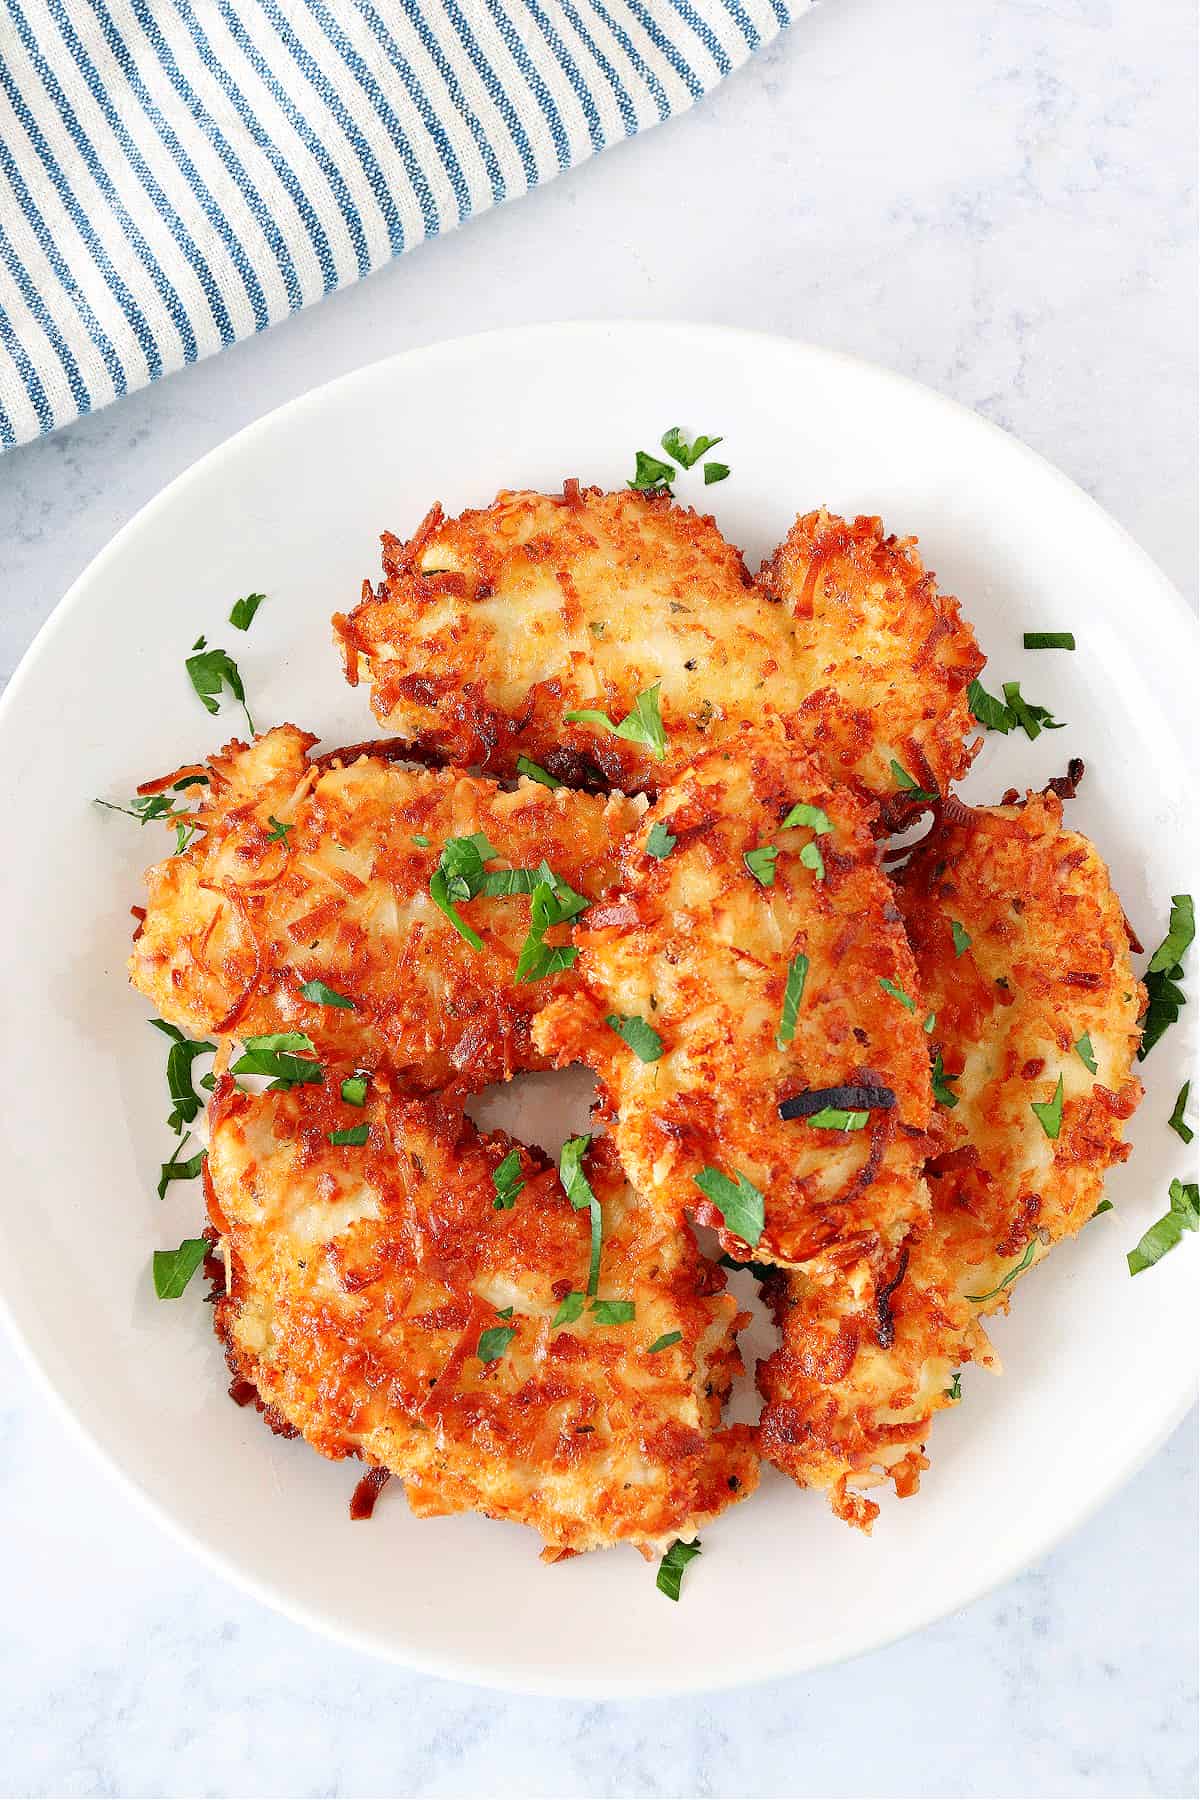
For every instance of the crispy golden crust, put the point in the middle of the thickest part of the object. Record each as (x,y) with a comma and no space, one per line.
(696,946)
(363,1278)
(236,923)
(1048,962)
(886,658)
(551,604)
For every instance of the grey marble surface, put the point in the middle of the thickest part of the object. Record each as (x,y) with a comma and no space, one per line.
(993,196)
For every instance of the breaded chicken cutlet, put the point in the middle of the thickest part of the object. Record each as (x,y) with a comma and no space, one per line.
(748,1003)
(1023,956)
(384,1303)
(316,871)
(489,631)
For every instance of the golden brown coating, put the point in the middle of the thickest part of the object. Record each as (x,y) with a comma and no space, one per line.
(487,630)
(886,658)
(380,1304)
(700,950)
(1033,986)
(250,910)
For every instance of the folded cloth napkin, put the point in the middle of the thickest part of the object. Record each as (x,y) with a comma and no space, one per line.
(177,174)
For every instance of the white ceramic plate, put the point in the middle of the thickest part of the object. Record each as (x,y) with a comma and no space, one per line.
(1099,1367)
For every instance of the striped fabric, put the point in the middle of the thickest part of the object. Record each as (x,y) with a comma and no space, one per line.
(177,174)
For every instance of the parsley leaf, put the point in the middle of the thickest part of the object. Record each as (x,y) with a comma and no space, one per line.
(508,1182)
(579,1193)
(810,856)
(1085,1053)
(460,876)
(494,1342)
(279,829)
(354,1134)
(1048,1113)
(815,817)
(1182,1215)
(535,772)
(942,1091)
(739,1202)
(1104,1206)
(208,671)
(275,1053)
(179,1169)
(898,993)
(420,840)
(685,454)
(664,1342)
(670,1569)
(173,1269)
(715,471)
(613,1312)
(639,1034)
(325,996)
(954,1391)
(1032,719)
(354,1090)
(569,1311)
(761,863)
(660,843)
(962,937)
(1049,640)
(553,902)
(180,1058)
(909,786)
(1030,1248)
(793,993)
(650,475)
(1165,999)
(1176,1121)
(1180,933)
(836,1118)
(641,725)
(991,713)
(244,610)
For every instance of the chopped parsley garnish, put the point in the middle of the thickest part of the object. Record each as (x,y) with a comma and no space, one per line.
(715,471)
(954,1391)
(837,1118)
(1176,1121)
(793,993)
(209,671)
(1048,1113)
(1104,1206)
(324,996)
(898,993)
(942,1091)
(739,1202)
(670,1569)
(354,1090)
(459,876)
(1049,640)
(803,814)
(991,713)
(685,454)
(275,1053)
(930,1020)
(494,1342)
(1019,1269)
(420,840)
(180,1058)
(660,843)
(1182,1215)
(642,725)
(579,1193)
(641,1037)
(910,786)
(962,938)
(244,610)
(1085,1053)
(279,829)
(664,1342)
(353,1135)
(508,1182)
(173,1269)
(569,1310)
(1165,999)
(1032,719)
(144,807)
(553,902)
(179,1169)
(810,856)
(613,1312)
(761,863)
(651,475)
(535,772)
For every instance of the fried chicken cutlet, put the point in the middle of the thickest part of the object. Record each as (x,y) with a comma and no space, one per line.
(754,964)
(383,1303)
(489,631)
(1023,954)
(317,871)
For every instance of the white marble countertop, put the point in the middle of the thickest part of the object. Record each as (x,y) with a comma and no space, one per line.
(992,196)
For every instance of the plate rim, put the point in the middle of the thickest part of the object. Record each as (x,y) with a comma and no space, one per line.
(461,1667)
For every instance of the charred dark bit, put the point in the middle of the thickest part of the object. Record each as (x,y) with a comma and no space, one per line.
(885,1335)
(849,1099)
(1065,785)
(362,1500)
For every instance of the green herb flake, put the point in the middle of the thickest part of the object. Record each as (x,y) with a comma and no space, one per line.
(535,772)
(836,1118)
(815,817)
(685,454)
(354,1135)
(651,475)
(579,1193)
(714,472)
(990,712)
(1182,1215)
(494,1342)
(508,1182)
(354,1090)
(570,1310)
(173,1269)
(1048,1113)
(180,1058)
(641,725)
(660,843)
(244,610)
(613,1312)
(670,1569)
(1104,1206)
(277,1053)
(640,1036)
(910,787)
(1165,999)
(1085,1053)
(810,856)
(962,938)
(1019,1269)
(420,840)
(664,1342)
(954,1391)
(1176,1121)
(898,993)
(761,863)
(793,993)
(929,1022)
(179,1169)
(459,876)
(1049,640)
(321,995)
(553,902)
(279,829)
(739,1202)
(209,671)
(942,1091)
(1032,718)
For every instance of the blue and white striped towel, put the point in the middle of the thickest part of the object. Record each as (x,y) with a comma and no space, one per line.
(177,174)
